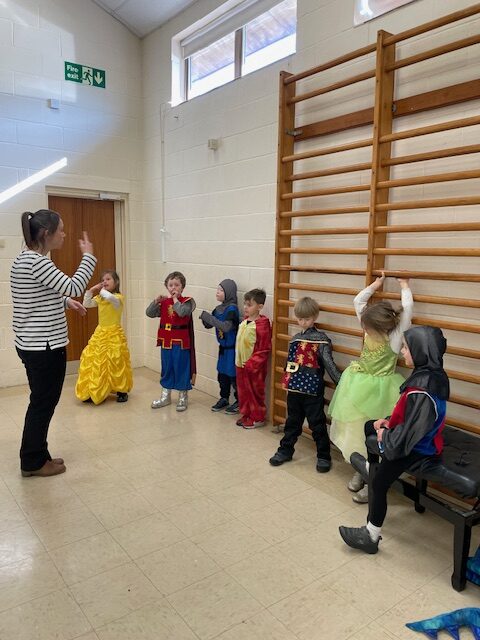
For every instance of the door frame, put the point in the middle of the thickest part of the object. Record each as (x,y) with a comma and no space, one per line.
(121,215)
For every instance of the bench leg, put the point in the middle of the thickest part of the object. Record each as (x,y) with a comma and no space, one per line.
(421,487)
(461,548)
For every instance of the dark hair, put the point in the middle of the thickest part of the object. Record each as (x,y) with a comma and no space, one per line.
(178,276)
(115,277)
(35,226)
(381,317)
(257,295)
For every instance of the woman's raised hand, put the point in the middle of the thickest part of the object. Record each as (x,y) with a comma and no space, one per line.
(85,245)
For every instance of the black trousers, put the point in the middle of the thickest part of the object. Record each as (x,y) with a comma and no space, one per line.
(227,382)
(45,373)
(299,407)
(381,477)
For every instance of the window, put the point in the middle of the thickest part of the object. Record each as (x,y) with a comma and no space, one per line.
(269,37)
(247,36)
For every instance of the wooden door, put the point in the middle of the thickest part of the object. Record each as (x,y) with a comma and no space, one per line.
(97,218)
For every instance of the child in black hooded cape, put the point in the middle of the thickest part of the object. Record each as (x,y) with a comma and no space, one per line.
(225,319)
(412,432)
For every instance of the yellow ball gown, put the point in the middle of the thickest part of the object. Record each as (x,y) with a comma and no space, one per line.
(105,362)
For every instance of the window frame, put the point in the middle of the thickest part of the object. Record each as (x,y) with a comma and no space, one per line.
(181,63)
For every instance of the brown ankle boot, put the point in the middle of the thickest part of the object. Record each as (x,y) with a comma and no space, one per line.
(48,469)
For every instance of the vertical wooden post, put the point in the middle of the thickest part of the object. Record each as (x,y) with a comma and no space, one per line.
(381,151)
(286,143)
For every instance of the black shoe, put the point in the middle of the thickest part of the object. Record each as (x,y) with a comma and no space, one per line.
(220,405)
(279,458)
(359,538)
(122,397)
(232,409)
(359,463)
(323,466)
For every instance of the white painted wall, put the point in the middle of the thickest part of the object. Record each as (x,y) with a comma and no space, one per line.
(99,130)
(220,205)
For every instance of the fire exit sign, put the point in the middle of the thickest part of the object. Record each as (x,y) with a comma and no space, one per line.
(75,72)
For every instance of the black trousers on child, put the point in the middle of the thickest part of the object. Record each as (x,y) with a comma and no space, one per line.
(299,407)
(381,477)
(226,383)
(45,373)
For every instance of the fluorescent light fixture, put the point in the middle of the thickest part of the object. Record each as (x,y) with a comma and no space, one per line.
(33,179)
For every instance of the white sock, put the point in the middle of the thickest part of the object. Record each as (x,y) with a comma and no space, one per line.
(373,531)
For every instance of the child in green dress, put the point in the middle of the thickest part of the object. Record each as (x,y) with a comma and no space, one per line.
(369,387)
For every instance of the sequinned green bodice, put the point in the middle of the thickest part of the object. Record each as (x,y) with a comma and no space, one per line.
(377,358)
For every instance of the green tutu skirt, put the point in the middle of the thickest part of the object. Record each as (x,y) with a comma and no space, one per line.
(360,397)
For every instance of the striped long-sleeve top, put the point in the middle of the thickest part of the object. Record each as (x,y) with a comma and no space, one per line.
(39,292)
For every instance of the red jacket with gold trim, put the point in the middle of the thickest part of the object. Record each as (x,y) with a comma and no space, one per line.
(174,328)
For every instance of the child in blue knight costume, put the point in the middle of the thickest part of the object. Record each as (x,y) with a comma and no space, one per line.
(309,355)
(225,319)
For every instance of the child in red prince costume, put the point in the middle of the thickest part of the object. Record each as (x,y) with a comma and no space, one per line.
(252,350)
(175,337)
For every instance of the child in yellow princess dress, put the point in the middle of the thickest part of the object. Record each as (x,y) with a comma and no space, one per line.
(105,362)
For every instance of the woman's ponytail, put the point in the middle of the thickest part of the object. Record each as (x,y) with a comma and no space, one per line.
(35,226)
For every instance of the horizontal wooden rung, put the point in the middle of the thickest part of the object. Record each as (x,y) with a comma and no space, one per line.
(432,155)
(352,55)
(429,275)
(461,201)
(317,287)
(333,270)
(346,82)
(433,53)
(446,324)
(424,275)
(431,179)
(428,251)
(420,320)
(327,231)
(362,166)
(327,308)
(358,333)
(418,297)
(322,212)
(433,24)
(428,228)
(431,128)
(325,250)
(454,375)
(464,425)
(311,193)
(465,402)
(465,353)
(314,153)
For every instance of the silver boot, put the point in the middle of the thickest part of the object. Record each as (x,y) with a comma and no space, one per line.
(163,401)
(356,483)
(361,497)
(182,403)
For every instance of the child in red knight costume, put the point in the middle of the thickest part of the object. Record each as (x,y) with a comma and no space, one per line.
(252,350)
(175,337)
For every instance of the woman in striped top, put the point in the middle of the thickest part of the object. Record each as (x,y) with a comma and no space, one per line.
(40,294)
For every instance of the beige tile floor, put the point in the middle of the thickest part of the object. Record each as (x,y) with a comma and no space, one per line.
(173,526)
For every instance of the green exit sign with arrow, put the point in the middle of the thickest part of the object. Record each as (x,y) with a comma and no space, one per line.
(84,75)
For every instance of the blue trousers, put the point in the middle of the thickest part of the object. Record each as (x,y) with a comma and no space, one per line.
(176,369)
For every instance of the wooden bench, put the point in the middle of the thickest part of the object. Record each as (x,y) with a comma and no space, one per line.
(458,471)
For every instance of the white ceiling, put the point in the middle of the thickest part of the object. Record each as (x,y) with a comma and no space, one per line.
(143,16)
